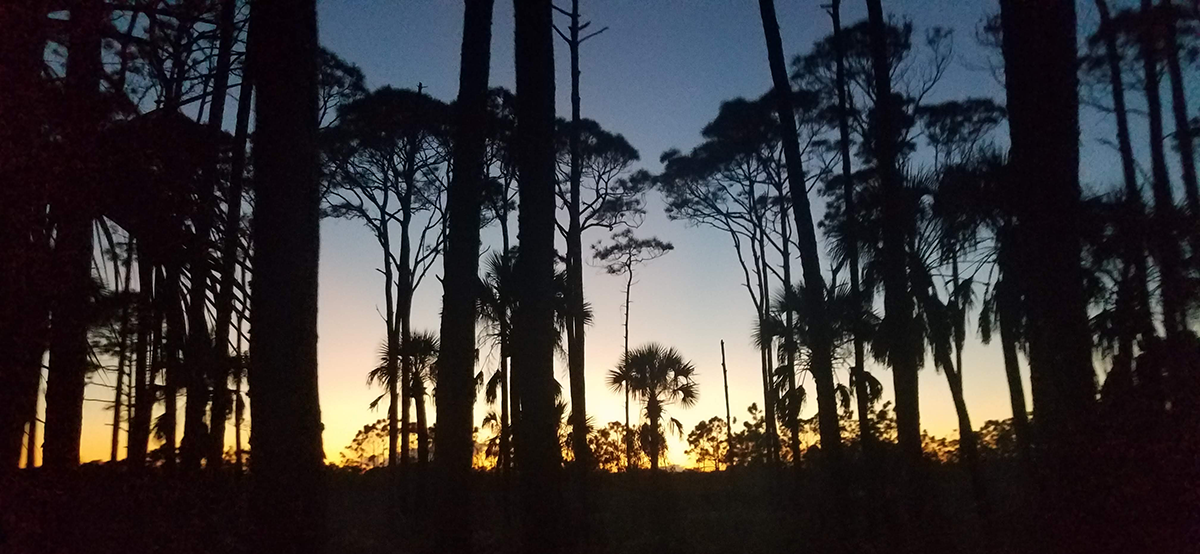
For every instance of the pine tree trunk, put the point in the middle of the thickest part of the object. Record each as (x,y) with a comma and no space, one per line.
(455,392)
(73,246)
(22,303)
(222,401)
(1166,218)
(898,325)
(1134,311)
(1183,128)
(288,505)
(575,321)
(1039,47)
(539,457)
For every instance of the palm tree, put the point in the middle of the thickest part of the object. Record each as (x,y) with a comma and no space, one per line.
(455,397)
(659,377)
(289,501)
(422,353)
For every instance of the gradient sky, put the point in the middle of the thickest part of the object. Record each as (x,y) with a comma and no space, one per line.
(657,76)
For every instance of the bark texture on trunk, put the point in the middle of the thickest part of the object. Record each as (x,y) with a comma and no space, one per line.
(1039,48)
(899,326)
(288,505)
(73,246)
(455,392)
(538,453)
(23,306)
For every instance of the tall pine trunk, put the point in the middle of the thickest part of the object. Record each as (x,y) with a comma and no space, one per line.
(575,320)
(899,327)
(230,239)
(1166,218)
(539,458)
(1179,109)
(22,304)
(73,246)
(1039,47)
(455,393)
(288,506)
(1134,317)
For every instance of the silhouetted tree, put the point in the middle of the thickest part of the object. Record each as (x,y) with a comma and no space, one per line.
(73,215)
(455,392)
(1040,64)
(820,337)
(659,377)
(538,456)
(288,503)
(901,347)
(23,239)
(625,253)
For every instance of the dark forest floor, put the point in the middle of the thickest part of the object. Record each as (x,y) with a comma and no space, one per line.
(99,510)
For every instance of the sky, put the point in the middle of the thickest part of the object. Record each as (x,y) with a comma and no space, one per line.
(657,75)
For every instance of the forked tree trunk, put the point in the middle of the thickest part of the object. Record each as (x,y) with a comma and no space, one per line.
(288,505)
(538,452)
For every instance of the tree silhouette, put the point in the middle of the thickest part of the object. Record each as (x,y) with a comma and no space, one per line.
(286,429)
(625,253)
(537,450)
(659,377)
(455,393)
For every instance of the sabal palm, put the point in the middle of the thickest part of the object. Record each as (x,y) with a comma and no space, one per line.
(659,376)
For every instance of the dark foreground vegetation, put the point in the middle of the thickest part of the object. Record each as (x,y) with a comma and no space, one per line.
(104,509)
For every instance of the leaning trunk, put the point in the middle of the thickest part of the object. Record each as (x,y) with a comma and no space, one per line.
(231,239)
(289,502)
(1183,128)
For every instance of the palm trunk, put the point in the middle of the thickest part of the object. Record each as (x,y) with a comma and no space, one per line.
(533,352)
(968,446)
(221,403)
(289,501)
(73,248)
(418,388)
(1165,215)
(404,291)
(1007,315)
(456,365)
(654,419)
